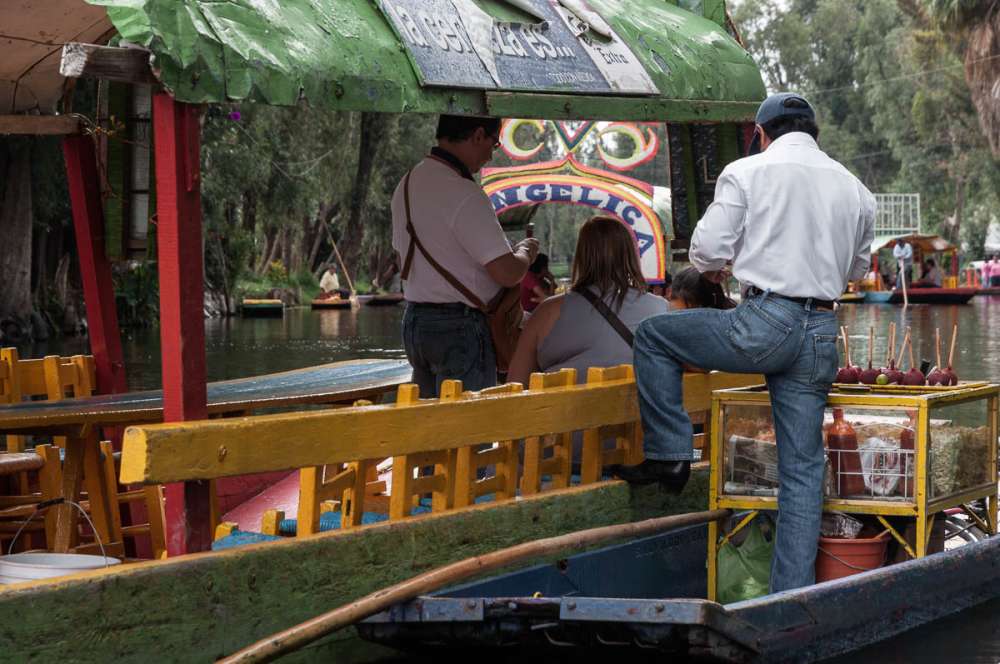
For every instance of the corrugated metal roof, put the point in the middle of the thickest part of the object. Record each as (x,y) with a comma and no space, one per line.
(32,33)
(343,55)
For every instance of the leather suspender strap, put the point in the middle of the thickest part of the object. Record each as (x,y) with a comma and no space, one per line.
(408,261)
(415,241)
(610,316)
(443,155)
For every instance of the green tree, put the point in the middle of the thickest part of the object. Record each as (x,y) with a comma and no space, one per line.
(891,101)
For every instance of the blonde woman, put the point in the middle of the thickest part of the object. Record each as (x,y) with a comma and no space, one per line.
(591,324)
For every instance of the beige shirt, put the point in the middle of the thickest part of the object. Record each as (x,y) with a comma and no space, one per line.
(330,282)
(455,221)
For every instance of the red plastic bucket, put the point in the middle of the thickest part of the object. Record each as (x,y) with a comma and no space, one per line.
(837,558)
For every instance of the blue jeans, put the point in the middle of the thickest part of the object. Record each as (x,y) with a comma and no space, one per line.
(795,347)
(448,341)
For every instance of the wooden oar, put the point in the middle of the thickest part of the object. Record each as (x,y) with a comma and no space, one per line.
(906,299)
(937,347)
(951,352)
(296,637)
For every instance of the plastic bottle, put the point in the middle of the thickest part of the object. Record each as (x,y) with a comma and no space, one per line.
(909,461)
(842,442)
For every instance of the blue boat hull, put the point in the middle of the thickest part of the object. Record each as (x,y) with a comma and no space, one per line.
(922,296)
(612,599)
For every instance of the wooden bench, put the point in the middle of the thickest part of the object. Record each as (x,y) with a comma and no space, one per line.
(471,440)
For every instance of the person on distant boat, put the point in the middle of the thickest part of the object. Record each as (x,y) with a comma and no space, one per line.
(796,226)
(931,277)
(538,284)
(903,253)
(991,272)
(591,325)
(455,257)
(330,284)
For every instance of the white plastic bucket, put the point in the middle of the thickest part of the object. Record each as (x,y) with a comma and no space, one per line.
(21,567)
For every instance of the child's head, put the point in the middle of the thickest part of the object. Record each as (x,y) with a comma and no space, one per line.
(540,264)
(690,290)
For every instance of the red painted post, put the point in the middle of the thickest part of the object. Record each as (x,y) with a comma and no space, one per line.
(95,269)
(176,132)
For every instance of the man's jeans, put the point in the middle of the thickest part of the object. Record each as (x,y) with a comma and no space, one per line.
(448,341)
(795,347)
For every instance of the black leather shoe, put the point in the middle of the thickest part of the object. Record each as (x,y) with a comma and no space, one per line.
(672,475)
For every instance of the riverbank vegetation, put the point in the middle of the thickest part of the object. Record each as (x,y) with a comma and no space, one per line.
(902,88)
(891,83)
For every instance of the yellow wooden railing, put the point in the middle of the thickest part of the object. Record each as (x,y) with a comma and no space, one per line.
(525,438)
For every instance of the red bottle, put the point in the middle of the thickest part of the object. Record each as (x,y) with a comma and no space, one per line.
(909,460)
(842,442)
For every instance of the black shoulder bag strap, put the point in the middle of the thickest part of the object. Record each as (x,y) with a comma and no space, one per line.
(610,316)
(415,241)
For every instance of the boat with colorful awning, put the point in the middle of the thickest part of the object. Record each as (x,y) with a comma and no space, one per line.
(925,246)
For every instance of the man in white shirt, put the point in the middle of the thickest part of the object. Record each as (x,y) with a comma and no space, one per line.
(455,257)
(330,283)
(903,253)
(795,225)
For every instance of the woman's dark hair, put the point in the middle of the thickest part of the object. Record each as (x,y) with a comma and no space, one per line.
(699,292)
(606,258)
(461,127)
(541,264)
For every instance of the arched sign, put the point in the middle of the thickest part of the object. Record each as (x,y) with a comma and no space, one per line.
(621,200)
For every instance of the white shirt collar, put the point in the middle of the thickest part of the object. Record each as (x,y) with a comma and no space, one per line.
(797,139)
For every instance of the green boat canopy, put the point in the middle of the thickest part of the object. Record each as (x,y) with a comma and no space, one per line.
(345,55)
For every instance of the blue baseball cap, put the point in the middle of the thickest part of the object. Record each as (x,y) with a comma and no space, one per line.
(784,105)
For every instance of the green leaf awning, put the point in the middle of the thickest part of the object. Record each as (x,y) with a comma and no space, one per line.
(344,55)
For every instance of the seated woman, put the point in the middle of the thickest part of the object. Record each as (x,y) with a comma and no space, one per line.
(567,330)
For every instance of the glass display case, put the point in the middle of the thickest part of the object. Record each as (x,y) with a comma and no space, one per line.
(890,451)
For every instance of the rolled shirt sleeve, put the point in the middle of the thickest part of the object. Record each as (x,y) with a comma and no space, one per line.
(718,234)
(863,255)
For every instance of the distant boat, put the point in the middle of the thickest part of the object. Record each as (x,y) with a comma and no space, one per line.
(385,300)
(924,246)
(335,302)
(251,308)
(851,298)
(922,296)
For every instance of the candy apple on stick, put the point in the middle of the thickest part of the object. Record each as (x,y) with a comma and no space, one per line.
(914,376)
(847,373)
(948,371)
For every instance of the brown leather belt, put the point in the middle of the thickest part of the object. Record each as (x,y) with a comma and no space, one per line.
(815,302)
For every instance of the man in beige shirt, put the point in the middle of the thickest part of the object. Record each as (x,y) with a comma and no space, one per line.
(446,335)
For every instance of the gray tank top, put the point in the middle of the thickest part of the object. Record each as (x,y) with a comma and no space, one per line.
(581,338)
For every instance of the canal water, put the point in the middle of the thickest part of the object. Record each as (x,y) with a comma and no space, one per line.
(238,347)
(245,347)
